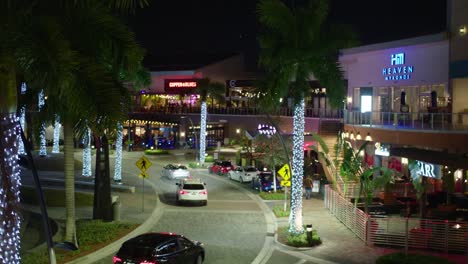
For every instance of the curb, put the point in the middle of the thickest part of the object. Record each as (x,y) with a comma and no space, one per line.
(114,246)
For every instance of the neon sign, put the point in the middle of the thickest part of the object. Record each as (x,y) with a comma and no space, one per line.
(182,84)
(399,71)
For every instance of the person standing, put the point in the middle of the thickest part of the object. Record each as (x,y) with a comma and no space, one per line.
(308,183)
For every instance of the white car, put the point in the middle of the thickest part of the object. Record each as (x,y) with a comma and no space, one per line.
(191,190)
(175,171)
(243,174)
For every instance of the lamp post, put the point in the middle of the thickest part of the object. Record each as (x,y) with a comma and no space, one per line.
(309,234)
(194,134)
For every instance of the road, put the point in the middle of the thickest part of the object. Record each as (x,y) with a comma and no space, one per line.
(232,226)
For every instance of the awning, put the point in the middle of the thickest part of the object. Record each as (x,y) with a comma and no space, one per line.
(459,161)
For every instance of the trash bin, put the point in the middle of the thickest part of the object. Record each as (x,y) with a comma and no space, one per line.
(116,206)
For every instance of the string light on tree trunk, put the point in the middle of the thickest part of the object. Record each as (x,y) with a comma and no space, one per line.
(87,154)
(203,133)
(42,132)
(22,121)
(57,127)
(118,154)
(10,191)
(295,217)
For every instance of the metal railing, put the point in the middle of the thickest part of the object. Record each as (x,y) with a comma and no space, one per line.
(402,232)
(283,111)
(411,120)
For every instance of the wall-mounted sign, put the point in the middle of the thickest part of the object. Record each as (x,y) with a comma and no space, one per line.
(179,85)
(428,170)
(382,149)
(398,71)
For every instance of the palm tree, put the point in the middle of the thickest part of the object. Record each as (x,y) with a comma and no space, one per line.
(294,45)
(39,45)
(215,90)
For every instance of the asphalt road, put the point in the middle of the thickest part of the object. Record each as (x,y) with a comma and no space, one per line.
(232,226)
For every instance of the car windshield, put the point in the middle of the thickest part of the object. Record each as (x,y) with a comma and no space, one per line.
(267,176)
(193,186)
(226,164)
(250,169)
(134,251)
(182,167)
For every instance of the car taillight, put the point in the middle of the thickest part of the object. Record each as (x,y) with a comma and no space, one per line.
(203,192)
(116,260)
(183,192)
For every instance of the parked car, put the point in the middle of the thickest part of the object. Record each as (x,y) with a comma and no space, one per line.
(264,182)
(243,174)
(160,248)
(191,190)
(221,167)
(175,171)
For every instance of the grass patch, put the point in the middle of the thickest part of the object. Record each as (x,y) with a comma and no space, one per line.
(54,197)
(278,195)
(298,240)
(401,258)
(157,152)
(91,234)
(279,212)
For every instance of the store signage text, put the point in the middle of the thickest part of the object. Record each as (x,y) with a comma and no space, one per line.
(399,71)
(428,170)
(182,84)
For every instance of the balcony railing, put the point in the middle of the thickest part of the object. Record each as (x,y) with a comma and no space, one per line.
(411,120)
(283,111)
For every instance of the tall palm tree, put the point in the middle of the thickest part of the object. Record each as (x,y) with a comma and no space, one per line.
(38,45)
(206,88)
(295,44)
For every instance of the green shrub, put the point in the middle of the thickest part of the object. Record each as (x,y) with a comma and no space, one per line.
(209,158)
(401,258)
(299,240)
(279,212)
(196,165)
(278,195)
(156,152)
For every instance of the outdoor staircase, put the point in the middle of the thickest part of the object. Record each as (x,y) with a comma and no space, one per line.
(328,131)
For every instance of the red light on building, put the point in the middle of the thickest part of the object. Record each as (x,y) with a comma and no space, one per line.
(182,84)
(177,86)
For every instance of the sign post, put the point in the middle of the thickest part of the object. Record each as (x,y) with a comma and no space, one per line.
(143,164)
(285,173)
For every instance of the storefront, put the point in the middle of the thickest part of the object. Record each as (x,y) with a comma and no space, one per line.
(400,76)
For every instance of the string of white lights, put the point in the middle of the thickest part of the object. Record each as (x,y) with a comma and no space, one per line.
(57,127)
(42,132)
(87,154)
(295,217)
(118,154)
(22,123)
(203,132)
(10,197)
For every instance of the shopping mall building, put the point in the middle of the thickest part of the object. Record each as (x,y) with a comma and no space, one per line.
(408,97)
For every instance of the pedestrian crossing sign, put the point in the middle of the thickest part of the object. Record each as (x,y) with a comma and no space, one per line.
(285,172)
(285,183)
(143,175)
(143,163)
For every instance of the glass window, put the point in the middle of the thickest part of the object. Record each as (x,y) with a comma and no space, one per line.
(193,186)
(168,248)
(132,251)
(185,243)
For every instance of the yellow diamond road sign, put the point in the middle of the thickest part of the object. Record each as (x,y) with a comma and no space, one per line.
(143,175)
(285,172)
(285,183)
(143,163)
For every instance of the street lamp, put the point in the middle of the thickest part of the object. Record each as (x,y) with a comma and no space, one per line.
(194,134)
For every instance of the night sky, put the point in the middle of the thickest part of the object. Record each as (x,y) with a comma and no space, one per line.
(188,32)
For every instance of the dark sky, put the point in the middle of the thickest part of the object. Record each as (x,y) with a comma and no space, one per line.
(190,30)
